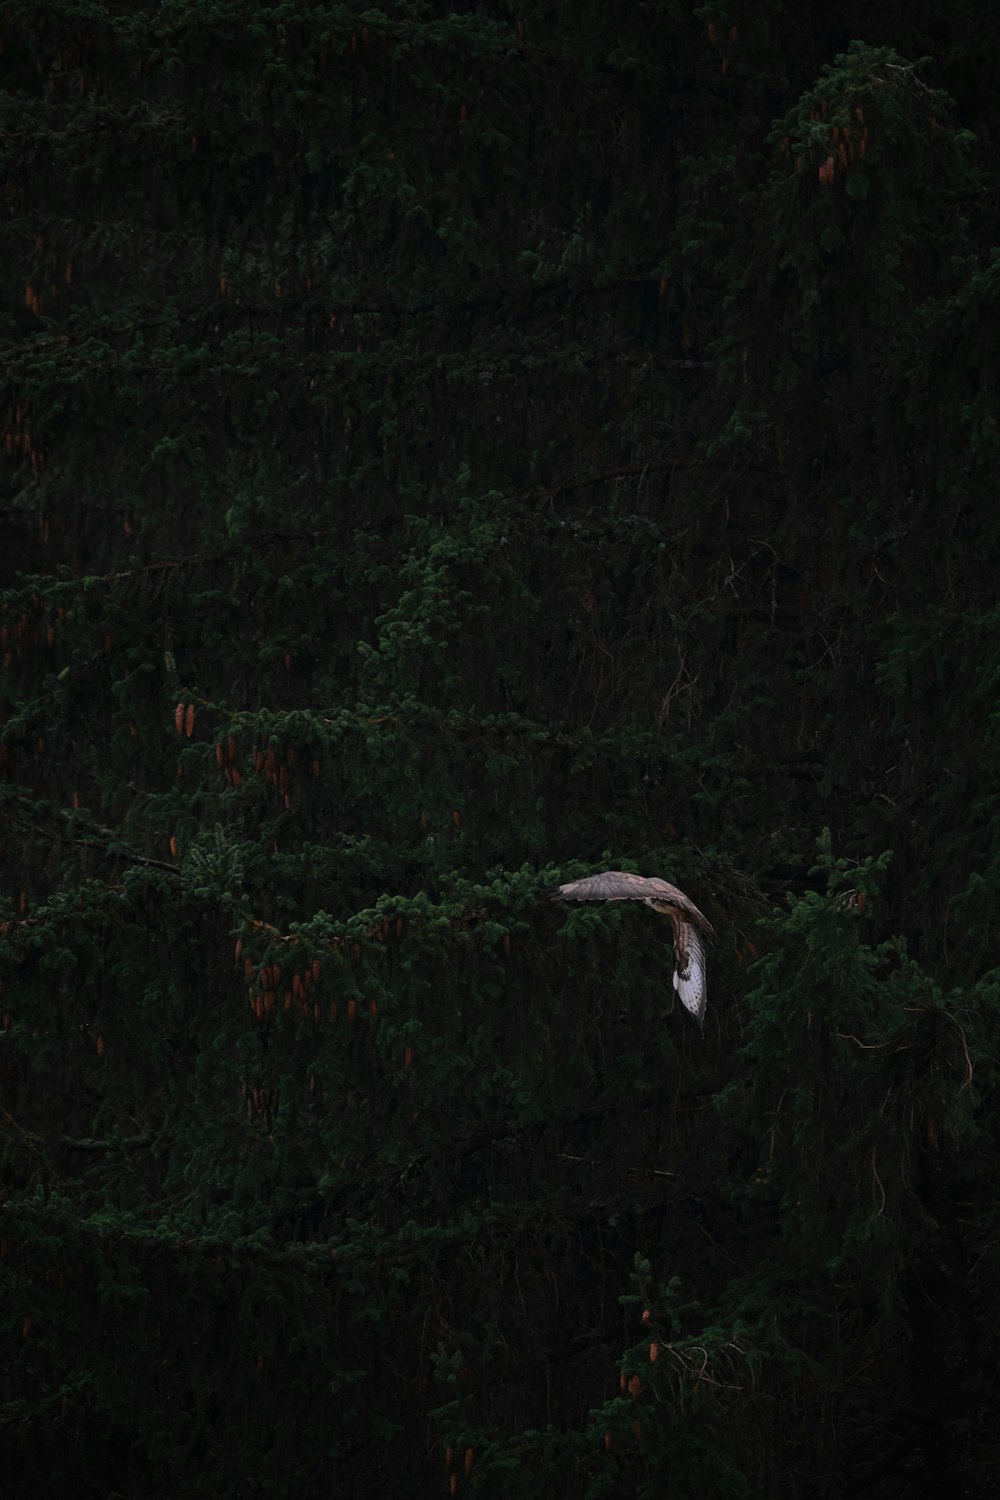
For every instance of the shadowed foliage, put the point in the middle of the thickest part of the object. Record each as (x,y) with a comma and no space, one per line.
(448,452)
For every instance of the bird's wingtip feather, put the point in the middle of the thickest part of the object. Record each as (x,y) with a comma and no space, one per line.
(693,993)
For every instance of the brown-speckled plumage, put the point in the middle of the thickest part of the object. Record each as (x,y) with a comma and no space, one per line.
(687,922)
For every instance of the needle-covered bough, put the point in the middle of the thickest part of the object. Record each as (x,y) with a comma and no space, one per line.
(685,918)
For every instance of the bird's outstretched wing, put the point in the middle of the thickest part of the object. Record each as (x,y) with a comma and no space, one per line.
(687,922)
(617,885)
(690,973)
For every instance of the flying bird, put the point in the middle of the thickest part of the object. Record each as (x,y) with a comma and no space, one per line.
(685,918)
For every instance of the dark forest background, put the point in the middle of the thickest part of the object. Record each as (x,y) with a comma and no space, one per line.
(449,450)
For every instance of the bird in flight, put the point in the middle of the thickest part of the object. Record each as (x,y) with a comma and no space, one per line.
(686,920)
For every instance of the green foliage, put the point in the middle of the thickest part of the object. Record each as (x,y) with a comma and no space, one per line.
(446,453)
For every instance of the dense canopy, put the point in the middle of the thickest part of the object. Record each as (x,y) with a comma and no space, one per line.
(449,451)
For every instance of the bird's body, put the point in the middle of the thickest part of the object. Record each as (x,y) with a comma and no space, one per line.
(687,922)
